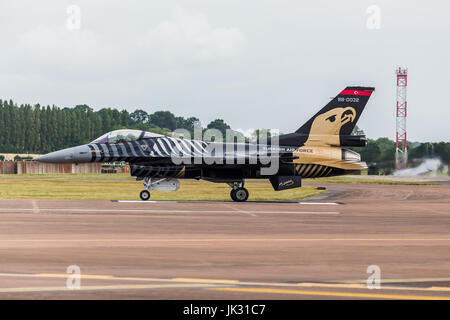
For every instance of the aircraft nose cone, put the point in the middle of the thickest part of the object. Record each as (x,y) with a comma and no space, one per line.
(61,156)
(70,155)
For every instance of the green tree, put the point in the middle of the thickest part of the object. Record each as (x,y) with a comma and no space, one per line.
(369,153)
(163,119)
(357,131)
(220,125)
(139,116)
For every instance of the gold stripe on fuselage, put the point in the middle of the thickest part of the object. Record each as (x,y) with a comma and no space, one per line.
(312,171)
(302,168)
(319,168)
(181,173)
(306,173)
(325,168)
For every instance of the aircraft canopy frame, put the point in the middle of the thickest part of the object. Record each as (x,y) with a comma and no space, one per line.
(125,135)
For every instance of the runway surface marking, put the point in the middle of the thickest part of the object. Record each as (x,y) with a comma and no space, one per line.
(238,282)
(240,211)
(35,206)
(320,203)
(225,202)
(63,210)
(333,294)
(218,284)
(224,239)
(105,287)
(397,280)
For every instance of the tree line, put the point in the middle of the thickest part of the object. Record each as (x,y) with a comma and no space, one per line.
(41,129)
(380,153)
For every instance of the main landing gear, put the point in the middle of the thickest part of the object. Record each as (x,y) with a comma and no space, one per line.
(145,194)
(238,192)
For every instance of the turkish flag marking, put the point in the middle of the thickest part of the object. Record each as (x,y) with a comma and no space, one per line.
(356,92)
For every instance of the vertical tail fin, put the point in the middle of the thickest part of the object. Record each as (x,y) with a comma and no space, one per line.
(340,115)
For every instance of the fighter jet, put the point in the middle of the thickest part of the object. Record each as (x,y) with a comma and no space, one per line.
(316,149)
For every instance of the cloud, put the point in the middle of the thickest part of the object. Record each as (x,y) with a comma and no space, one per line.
(246,132)
(210,60)
(55,49)
(46,38)
(188,36)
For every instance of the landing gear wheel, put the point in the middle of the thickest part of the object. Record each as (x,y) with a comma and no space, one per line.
(233,194)
(145,195)
(239,194)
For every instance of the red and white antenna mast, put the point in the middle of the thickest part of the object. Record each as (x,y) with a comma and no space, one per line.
(401,150)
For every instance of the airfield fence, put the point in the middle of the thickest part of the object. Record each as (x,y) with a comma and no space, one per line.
(29,167)
(7,167)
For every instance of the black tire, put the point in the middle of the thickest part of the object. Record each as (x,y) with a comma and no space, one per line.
(239,195)
(233,194)
(144,195)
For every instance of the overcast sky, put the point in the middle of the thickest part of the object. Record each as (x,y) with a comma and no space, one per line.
(254,63)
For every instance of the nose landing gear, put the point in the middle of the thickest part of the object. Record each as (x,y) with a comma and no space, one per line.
(161,184)
(144,195)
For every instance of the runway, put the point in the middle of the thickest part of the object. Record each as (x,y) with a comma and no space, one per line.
(317,248)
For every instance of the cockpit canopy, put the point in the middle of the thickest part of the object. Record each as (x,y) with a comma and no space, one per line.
(124,135)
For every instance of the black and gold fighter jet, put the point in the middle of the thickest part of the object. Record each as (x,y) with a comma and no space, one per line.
(316,149)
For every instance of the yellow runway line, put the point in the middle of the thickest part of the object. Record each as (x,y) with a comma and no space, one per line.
(332,294)
(340,284)
(411,280)
(364,286)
